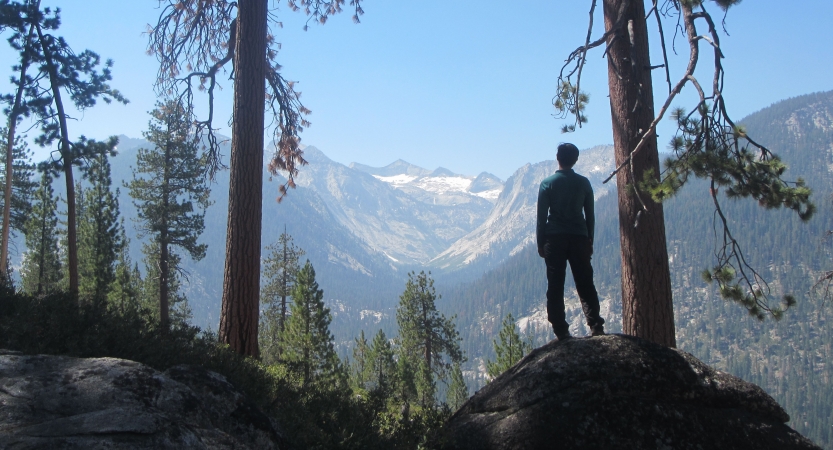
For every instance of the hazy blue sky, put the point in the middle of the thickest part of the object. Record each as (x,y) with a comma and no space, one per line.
(463,84)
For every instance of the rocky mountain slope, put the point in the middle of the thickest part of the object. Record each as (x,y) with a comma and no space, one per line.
(408,218)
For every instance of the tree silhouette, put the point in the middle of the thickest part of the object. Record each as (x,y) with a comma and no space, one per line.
(170,194)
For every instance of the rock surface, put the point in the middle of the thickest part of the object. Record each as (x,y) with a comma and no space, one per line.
(618,392)
(51,402)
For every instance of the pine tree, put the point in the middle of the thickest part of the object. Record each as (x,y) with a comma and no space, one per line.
(509,348)
(99,230)
(280,271)
(42,271)
(62,74)
(308,343)
(458,392)
(177,308)
(22,42)
(407,383)
(171,198)
(126,289)
(22,184)
(427,339)
(359,368)
(381,366)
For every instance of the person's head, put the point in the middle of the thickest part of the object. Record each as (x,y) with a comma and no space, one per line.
(567,155)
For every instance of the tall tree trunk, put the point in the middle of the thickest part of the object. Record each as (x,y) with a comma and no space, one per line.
(241,280)
(66,156)
(648,310)
(7,193)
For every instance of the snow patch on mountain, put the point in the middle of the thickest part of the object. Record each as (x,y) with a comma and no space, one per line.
(396,179)
(491,194)
(442,185)
(438,187)
(373,316)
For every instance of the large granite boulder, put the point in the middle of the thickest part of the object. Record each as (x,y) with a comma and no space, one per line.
(618,392)
(58,402)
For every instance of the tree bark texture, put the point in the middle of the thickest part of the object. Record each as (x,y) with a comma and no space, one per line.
(241,280)
(648,309)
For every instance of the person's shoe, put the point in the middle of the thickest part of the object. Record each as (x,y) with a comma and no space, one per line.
(562,336)
(598,330)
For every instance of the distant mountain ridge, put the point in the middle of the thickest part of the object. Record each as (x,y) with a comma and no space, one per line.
(397,167)
(364,228)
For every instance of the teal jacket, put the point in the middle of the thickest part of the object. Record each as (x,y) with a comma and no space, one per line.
(561,199)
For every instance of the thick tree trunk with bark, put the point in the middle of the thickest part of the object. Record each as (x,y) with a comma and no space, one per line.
(241,281)
(648,310)
(67,161)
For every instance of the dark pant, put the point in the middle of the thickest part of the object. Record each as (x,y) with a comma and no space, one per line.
(558,249)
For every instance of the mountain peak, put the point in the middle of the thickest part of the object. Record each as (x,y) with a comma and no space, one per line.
(442,172)
(312,154)
(485,182)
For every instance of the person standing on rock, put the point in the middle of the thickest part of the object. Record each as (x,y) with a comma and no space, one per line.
(564,232)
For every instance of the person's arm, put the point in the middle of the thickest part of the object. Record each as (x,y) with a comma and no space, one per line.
(541,222)
(589,214)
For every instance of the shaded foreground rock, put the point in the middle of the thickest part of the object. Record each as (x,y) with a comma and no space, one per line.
(618,392)
(50,402)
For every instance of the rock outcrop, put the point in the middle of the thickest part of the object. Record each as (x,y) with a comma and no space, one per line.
(49,402)
(618,392)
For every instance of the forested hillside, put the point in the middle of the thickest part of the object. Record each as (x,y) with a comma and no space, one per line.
(790,358)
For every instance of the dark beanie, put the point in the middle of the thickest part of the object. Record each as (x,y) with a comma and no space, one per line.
(567,154)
